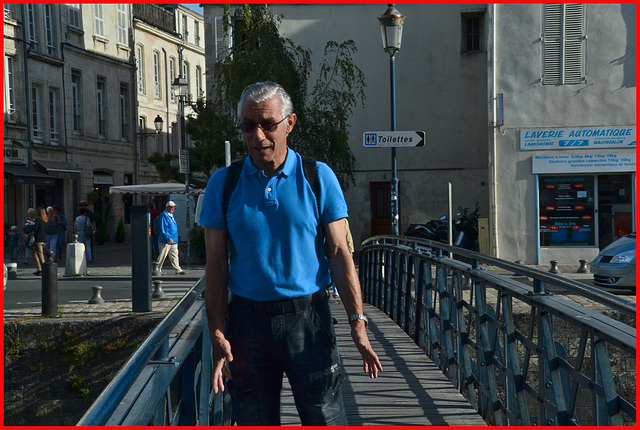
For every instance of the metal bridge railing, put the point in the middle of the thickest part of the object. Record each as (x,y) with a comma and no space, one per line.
(520,354)
(167,381)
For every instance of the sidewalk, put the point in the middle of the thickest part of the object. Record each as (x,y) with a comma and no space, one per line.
(112,261)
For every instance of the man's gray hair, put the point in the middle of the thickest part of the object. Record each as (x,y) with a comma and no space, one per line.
(263,91)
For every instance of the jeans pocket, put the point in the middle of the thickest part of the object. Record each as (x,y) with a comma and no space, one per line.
(322,323)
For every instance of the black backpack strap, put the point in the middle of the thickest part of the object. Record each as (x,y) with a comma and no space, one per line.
(310,169)
(233,175)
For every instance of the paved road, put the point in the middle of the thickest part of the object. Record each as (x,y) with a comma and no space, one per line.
(25,293)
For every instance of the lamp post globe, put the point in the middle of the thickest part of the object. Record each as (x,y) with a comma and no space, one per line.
(157,123)
(391,23)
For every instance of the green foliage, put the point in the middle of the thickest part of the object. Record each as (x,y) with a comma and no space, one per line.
(163,163)
(261,54)
(197,244)
(15,346)
(120,233)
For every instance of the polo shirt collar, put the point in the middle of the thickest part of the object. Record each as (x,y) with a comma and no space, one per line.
(288,168)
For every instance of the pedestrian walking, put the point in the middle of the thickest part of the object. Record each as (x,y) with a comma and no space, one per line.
(92,218)
(27,229)
(12,242)
(40,235)
(62,231)
(53,226)
(264,244)
(168,239)
(84,229)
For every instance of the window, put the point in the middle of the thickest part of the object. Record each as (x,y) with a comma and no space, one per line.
(101,108)
(32,24)
(36,114)
(10,89)
(140,68)
(123,35)
(222,39)
(124,111)
(472,31)
(50,30)
(74,15)
(198,82)
(185,74)
(142,128)
(76,99)
(98,19)
(196,28)
(54,108)
(185,31)
(172,77)
(156,75)
(563,44)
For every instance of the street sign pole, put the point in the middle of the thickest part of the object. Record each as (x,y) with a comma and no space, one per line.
(394,165)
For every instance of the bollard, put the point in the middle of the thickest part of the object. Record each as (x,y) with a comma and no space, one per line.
(157,290)
(96,299)
(554,266)
(583,266)
(155,271)
(12,270)
(76,261)
(49,286)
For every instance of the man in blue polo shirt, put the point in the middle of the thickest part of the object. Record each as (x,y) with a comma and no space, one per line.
(268,252)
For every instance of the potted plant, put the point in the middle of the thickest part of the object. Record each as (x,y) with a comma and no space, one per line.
(120,233)
(102,234)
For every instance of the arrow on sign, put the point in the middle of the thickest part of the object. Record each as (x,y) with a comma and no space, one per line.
(393,139)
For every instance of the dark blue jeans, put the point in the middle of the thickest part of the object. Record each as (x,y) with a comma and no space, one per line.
(302,344)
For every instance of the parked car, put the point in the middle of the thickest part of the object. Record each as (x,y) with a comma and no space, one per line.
(615,266)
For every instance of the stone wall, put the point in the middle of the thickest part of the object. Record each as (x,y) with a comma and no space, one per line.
(55,368)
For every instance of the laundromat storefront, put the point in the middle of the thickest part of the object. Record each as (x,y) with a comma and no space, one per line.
(585,198)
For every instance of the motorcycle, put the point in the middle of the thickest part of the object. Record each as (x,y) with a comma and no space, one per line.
(465,229)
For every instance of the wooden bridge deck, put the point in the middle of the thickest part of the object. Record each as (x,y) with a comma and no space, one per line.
(410,391)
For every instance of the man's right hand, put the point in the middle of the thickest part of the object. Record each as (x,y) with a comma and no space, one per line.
(221,356)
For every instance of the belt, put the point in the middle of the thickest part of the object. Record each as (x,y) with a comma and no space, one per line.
(280,307)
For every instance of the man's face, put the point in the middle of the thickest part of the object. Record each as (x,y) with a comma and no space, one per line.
(171,209)
(268,149)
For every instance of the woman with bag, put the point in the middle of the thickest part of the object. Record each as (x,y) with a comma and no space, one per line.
(40,234)
(83,228)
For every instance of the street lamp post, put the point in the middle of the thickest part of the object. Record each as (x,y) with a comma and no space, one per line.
(391,23)
(181,84)
(141,137)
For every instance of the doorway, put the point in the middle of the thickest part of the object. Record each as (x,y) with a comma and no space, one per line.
(380,193)
(615,207)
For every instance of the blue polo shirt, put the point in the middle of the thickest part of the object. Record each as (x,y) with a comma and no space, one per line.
(272,225)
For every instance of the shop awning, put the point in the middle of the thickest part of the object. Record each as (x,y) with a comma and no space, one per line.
(22,175)
(59,169)
(154,189)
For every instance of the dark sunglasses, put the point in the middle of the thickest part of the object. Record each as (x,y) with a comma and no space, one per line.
(250,127)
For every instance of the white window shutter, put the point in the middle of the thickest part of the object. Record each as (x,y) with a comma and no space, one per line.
(563,44)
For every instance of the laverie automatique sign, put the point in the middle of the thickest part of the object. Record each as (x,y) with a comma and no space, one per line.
(578,138)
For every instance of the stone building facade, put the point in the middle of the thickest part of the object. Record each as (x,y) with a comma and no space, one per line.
(477,78)
(83,85)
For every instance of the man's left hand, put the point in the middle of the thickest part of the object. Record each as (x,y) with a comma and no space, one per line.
(370,360)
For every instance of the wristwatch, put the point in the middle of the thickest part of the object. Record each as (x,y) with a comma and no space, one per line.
(362,317)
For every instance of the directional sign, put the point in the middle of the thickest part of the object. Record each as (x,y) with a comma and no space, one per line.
(390,139)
